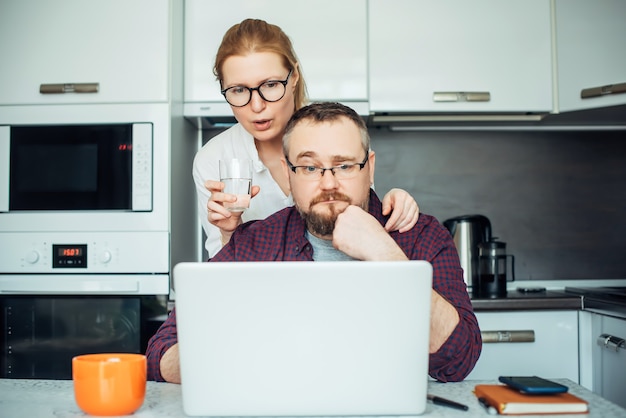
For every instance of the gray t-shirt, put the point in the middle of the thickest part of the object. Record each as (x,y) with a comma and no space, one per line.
(323,250)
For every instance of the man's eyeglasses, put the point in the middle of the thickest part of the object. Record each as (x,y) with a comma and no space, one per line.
(341,172)
(270,91)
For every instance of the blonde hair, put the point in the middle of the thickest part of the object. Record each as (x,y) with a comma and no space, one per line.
(255,35)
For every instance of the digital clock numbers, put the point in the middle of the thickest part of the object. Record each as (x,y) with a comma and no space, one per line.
(70,251)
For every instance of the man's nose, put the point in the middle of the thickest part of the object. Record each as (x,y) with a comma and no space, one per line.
(328,180)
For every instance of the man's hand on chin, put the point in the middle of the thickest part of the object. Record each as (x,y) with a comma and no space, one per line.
(361,236)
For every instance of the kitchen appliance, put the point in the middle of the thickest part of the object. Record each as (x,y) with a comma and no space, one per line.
(492,270)
(77,168)
(468,231)
(39,334)
(84,190)
(85,232)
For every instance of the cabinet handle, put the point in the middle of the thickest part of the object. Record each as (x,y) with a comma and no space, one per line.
(611,342)
(69,88)
(603,90)
(461,96)
(521,336)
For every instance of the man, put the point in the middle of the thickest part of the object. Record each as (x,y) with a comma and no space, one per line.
(336,216)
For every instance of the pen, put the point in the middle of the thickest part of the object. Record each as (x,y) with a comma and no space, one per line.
(445,402)
(490,409)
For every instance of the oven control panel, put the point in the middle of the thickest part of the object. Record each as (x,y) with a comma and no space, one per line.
(100,252)
(69,256)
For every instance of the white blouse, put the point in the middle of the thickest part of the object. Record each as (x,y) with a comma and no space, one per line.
(235,142)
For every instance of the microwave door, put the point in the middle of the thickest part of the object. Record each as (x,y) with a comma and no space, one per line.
(105,167)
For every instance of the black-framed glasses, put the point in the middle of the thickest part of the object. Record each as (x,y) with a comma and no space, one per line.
(270,91)
(341,172)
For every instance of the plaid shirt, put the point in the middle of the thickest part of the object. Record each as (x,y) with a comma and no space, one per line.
(281,237)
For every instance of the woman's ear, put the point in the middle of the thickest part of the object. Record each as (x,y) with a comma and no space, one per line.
(295,75)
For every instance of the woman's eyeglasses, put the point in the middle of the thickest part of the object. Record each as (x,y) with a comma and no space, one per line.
(270,91)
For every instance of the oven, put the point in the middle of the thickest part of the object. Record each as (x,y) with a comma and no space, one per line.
(84,233)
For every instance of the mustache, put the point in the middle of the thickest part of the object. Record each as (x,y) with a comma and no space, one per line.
(323,197)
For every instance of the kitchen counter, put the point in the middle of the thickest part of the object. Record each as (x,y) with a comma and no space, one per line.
(603,300)
(516,300)
(55,398)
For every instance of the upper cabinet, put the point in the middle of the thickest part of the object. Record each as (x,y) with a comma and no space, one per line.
(76,51)
(457,56)
(329,37)
(590,52)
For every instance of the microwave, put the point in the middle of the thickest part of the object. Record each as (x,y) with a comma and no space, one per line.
(84,189)
(76,167)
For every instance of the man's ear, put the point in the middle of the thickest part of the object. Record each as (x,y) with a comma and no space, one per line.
(372,164)
(286,169)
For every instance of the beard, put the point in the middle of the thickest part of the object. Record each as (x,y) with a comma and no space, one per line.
(323,224)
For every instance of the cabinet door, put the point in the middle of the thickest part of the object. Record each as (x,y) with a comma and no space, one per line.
(328,36)
(421,47)
(590,51)
(121,45)
(552,354)
(609,358)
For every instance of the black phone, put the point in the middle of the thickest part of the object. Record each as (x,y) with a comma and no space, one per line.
(533,385)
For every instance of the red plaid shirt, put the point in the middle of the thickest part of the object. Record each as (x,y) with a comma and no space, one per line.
(281,237)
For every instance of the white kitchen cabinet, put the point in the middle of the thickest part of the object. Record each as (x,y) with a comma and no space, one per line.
(120,45)
(552,354)
(590,53)
(457,56)
(608,357)
(328,36)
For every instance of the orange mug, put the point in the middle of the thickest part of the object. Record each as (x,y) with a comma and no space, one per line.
(110,383)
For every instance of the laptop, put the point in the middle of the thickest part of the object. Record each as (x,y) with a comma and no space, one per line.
(303,338)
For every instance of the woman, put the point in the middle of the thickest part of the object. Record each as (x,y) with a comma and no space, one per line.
(262,81)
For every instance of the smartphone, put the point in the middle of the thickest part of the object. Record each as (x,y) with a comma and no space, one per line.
(533,385)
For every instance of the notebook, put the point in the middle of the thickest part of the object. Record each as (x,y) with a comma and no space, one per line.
(509,401)
(303,338)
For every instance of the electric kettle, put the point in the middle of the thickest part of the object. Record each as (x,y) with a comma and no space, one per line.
(468,231)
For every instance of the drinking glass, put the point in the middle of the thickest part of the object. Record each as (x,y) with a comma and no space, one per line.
(236,174)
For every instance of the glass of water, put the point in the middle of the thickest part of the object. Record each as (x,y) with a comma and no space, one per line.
(236,174)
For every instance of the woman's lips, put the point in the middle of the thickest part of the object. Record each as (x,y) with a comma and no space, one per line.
(262,125)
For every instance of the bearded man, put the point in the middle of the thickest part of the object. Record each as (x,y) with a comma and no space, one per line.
(337,216)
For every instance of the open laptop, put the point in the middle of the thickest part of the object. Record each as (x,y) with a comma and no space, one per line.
(303,338)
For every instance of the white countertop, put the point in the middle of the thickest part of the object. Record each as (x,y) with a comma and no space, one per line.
(55,398)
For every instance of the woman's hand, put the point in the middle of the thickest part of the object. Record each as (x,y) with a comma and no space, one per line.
(218,215)
(405,210)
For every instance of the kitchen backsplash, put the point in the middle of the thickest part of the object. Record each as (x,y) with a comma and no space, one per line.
(558,199)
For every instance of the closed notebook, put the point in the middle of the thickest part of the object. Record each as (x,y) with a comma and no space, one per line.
(510,401)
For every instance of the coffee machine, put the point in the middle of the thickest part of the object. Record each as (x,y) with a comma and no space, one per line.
(492,270)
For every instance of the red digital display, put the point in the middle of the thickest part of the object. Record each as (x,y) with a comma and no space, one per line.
(70,251)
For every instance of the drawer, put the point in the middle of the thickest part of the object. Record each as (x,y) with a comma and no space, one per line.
(542,343)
